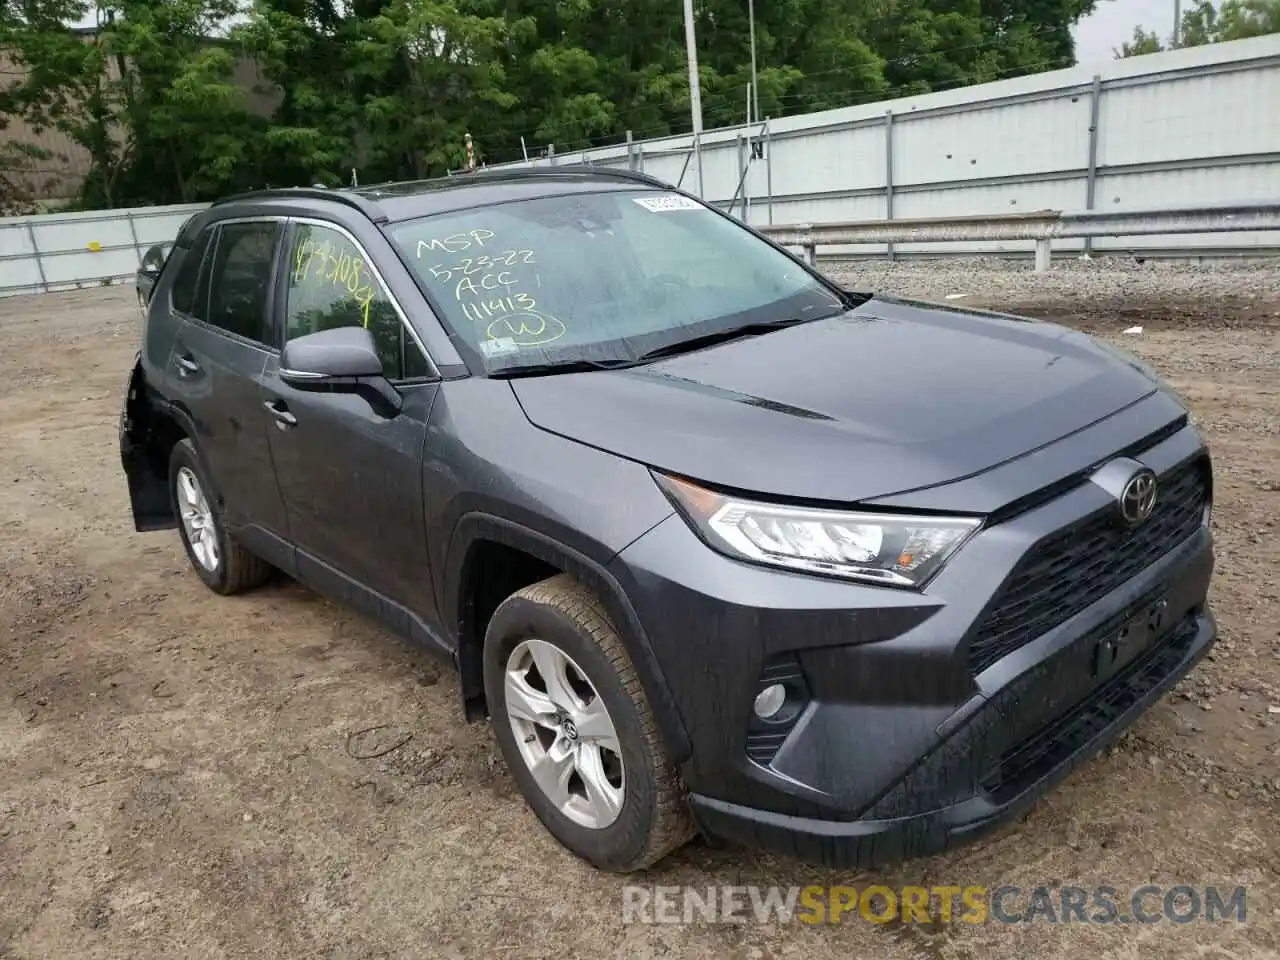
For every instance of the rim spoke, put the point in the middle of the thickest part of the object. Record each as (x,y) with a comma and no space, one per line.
(526,703)
(577,751)
(197,520)
(594,724)
(552,665)
(190,492)
(552,772)
(605,798)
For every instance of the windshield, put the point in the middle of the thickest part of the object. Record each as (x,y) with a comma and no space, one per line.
(603,278)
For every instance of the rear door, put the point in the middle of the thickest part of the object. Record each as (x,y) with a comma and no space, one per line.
(219,355)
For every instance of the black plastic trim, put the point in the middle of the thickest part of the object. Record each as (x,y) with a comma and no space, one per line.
(473,527)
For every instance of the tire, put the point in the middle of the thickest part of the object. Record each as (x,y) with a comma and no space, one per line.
(233,568)
(652,819)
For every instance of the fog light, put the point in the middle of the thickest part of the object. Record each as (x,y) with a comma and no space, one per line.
(770,700)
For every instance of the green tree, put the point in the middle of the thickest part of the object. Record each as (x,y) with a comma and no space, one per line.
(23,176)
(1206,22)
(190,134)
(391,87)
(385,86)
(67,85)
(1141,44)
(148,94)
(1232,20)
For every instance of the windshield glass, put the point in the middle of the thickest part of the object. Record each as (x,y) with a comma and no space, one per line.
(601,277)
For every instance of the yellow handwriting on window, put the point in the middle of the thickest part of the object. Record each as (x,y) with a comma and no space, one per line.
(329,263)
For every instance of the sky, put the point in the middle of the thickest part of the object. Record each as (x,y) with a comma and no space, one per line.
(1112,23)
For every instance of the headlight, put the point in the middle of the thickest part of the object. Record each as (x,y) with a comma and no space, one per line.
(888,549)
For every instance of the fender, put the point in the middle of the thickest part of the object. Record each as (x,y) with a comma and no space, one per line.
(481,526)
(178,415)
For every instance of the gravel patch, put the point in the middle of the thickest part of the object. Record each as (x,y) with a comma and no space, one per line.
(1110,293)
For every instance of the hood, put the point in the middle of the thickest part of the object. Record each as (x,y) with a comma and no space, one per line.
(891,396)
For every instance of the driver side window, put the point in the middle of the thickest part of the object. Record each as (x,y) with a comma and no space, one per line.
(330,285)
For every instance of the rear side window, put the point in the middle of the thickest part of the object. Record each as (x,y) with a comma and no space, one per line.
(240,279)
(188,291)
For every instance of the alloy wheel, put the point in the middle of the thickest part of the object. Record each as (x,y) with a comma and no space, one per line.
(564,733)
(197,519)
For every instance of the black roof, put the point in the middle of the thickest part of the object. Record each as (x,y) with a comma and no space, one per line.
(405,200)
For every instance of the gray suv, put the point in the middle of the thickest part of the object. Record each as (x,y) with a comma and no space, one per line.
(718,545)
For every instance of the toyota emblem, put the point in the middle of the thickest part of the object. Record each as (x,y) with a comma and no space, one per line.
(1138,498)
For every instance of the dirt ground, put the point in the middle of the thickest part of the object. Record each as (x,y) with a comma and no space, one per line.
(181,774)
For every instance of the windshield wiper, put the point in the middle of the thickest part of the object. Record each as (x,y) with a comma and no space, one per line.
(567,366)
(720,336)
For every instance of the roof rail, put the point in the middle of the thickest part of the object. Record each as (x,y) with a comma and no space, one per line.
(564,169)
(500,174)
(364,198)
(365,205)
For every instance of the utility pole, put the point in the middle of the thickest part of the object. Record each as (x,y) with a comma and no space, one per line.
(754,112)
(695,90)
(1177,21)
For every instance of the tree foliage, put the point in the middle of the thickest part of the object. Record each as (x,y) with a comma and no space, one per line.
(1206,22)
(156,95)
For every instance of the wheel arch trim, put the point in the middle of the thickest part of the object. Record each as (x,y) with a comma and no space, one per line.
(478,526)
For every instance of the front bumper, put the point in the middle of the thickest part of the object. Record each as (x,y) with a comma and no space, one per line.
(1044,760)
(905,742)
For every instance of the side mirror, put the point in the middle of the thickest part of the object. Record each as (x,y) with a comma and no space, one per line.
(343,358)
(153,260)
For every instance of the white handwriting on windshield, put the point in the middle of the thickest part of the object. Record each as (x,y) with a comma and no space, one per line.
(487,287)
(456,243)
(481,310)
(468,266)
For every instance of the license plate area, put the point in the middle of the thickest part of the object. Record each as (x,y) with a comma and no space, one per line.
(1118,648)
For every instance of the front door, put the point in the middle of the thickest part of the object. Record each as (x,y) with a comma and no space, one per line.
(350,474)
(219,354)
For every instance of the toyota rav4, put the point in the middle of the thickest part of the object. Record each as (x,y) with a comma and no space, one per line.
(718,545)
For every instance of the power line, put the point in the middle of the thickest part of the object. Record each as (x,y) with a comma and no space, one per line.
(852,96)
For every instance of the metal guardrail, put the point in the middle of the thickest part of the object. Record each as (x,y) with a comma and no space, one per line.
(76,250)
(1042,226)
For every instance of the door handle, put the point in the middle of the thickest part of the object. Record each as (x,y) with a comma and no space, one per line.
(187,365)
(284,419)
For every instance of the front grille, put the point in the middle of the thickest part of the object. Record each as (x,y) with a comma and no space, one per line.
(1038,755)
(1080,564)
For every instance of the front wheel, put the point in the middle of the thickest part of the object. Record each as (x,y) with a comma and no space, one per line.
(576,730)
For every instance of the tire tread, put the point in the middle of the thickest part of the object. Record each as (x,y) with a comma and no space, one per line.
(245,570)
(673,827)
